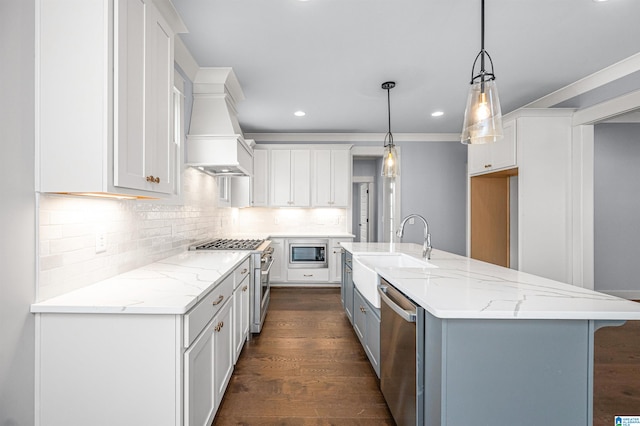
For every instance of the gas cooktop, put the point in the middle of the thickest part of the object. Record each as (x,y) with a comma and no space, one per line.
(229,244)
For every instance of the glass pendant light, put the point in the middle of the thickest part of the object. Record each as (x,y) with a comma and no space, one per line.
(482,116)
(390,164)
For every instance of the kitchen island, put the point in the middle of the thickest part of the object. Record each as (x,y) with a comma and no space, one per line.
(501,345)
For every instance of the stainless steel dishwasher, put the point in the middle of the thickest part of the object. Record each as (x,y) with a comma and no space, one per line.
(401,355)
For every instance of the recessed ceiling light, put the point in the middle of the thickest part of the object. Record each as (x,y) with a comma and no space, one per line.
(299,113)
(437,114)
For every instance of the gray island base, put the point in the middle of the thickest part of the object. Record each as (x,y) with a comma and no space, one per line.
(497,346)
(524,372)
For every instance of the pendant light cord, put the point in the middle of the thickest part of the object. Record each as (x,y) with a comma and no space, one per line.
(482,38)
(389,114)
(388,86)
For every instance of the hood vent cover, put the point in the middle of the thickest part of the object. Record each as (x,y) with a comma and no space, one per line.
(215,143)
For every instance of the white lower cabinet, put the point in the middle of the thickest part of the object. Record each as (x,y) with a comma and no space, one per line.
(200,389)
(278,272)
(222,351)
(141,369)
(241,317)
(335,259)
(208,368)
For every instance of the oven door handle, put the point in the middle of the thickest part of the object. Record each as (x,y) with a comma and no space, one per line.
(268,268)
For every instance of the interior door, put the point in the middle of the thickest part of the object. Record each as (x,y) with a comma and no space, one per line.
(364,212)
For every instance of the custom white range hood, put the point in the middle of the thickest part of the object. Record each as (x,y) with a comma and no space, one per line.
(215,143)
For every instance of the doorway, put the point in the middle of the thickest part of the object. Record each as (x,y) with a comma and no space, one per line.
(364,222)
(364,210)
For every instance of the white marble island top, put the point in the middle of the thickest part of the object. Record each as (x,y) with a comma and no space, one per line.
(169,286)
(465,288)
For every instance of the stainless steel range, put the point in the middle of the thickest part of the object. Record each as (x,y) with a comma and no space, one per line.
(261,261)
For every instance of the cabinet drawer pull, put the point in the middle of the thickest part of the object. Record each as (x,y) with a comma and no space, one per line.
(244,271)
(245,288)
(217,302)
(153,179)
(308,275)
(486,166)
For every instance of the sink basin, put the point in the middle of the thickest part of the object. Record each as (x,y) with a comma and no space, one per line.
(365,277)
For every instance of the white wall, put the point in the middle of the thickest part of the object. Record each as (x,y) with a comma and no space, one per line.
(17,213)
(616,209)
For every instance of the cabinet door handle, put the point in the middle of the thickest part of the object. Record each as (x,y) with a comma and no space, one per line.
(245,288)
(153,179)
(217,302)
(244,271)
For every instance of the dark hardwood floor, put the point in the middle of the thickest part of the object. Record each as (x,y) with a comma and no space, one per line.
(307,368)
(616,373)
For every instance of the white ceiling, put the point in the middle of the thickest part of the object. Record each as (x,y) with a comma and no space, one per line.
(329,57)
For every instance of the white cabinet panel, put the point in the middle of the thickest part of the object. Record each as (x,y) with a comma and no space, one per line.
(223,351)
(544,201)
(487,158)
(260,178)
(335,259)
(289,178)
(300,177)
(199,380)
(331,177)
(130,55)
(241,317)
(280,259)
(341,177)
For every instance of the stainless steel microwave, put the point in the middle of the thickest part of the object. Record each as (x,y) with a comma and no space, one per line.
(308,253)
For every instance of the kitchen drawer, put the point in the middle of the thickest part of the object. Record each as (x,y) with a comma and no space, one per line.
(242,271)
(198,317)
(308,275)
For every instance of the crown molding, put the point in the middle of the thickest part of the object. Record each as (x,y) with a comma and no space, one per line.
(352,137)
(599,78)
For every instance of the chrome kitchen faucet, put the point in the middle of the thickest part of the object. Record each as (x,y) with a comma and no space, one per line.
(426,246)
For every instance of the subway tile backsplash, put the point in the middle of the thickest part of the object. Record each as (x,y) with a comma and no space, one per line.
(136,233)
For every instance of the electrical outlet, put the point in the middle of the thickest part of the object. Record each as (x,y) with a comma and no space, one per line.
(101,242)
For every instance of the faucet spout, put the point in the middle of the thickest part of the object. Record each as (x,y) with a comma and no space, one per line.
(426,246)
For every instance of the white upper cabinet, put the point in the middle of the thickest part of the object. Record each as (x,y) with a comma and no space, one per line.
(501,155)
(289,178)
(331,177)
(260,178)
(104,90)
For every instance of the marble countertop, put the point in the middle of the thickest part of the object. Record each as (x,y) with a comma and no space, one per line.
(461,287)
(170,286)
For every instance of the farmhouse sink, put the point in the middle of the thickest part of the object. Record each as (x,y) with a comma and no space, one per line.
(365,277)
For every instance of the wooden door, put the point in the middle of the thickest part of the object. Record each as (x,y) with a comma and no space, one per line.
(490,222)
